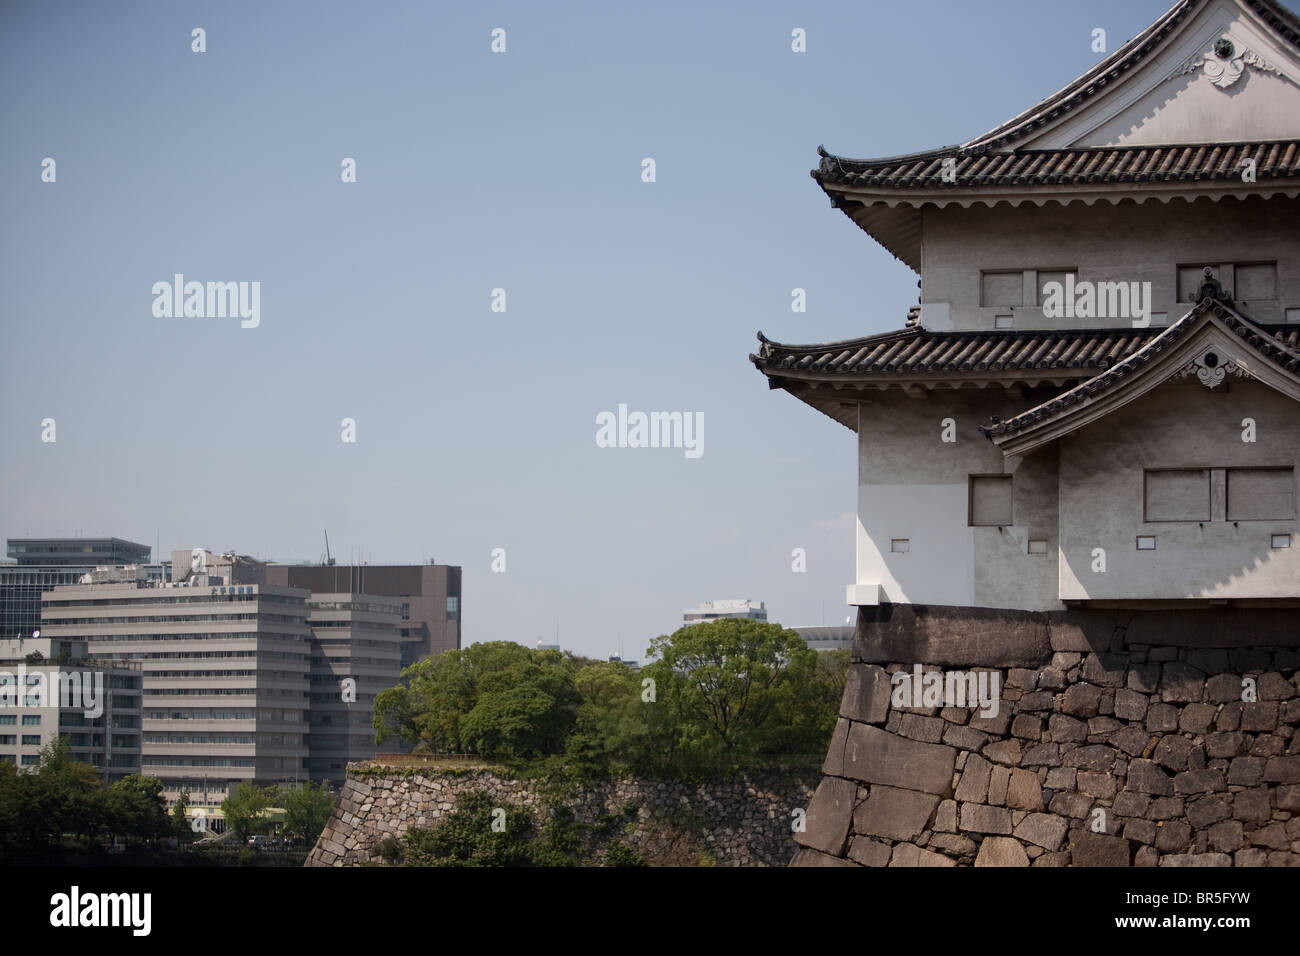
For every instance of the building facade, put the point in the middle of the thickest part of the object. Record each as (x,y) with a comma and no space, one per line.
(79,552)
(1094,404)
(356,652)
(50,688)
(430,596)
(225,675)
(712,610)
(1077,473)
(44,563)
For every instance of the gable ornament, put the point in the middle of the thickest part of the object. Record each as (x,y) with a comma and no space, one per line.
(1225,64)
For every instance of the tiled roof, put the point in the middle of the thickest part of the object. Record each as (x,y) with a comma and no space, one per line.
(1046,167)
(1110,70)
(1281,345)
(919,350)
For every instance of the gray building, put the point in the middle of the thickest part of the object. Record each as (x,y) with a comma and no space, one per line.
(225,675)
(45,563)
(738,607)
(50,688)
(78,552)
(430,595)
(355,653)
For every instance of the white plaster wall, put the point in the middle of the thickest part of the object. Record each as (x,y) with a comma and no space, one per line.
(1157,103)
(1106,243)
(913,485)
(1180,425)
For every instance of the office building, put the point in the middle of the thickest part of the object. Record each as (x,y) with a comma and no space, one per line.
(430,595)
(712,610)
(225,674)
(76,552)
(355,654)
(49,688)
(45,563)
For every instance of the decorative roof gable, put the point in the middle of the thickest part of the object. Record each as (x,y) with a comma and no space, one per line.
(1208,91)
(1212,343)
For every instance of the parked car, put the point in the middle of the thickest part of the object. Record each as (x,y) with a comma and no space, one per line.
(259,840)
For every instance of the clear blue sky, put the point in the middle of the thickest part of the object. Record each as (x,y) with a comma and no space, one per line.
(475,430)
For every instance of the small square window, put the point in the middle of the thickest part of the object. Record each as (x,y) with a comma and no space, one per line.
(1146,542)
(1279,541)
(990,500)
(1003,321)
(900,545)
(1037,546)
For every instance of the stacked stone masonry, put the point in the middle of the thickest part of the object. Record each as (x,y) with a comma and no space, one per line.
(1106,750)
(742,821)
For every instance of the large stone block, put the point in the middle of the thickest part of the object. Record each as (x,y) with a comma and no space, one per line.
(826,825)
(869,852)
(1283,769)
(866,694)
(834,763)
(1098,849)
(893,813)
(952,636)
(1145,776)
(978,818)
(1001,851)
(1042,829)
(807,857)
(873,755)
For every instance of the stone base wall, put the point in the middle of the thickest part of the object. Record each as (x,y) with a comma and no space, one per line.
(1121,739)
(742,821)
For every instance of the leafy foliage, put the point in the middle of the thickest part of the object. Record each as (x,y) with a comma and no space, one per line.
(244,809)
(307,810)
(725,692)
(66,798)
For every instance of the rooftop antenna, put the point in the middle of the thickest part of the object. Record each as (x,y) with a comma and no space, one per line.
(329,561)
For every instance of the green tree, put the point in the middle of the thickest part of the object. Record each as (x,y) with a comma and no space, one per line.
(245,809)
(137,808)
(307,810)
(498,699)
(68,796)
(182,828)
(613,723)
(727,682)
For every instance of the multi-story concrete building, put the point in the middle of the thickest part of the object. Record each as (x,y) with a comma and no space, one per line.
(355,654)
(712,610)
(44,563)
(225,675)
(430,595)
(49,688)
(76,552)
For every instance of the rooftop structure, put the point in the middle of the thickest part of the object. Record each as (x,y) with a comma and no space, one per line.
(430,596)
(76,551)
(739,607)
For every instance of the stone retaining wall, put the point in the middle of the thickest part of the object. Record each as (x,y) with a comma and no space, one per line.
(745,821)
(1138,715)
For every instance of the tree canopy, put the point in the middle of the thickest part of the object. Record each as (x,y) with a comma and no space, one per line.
(730,690)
